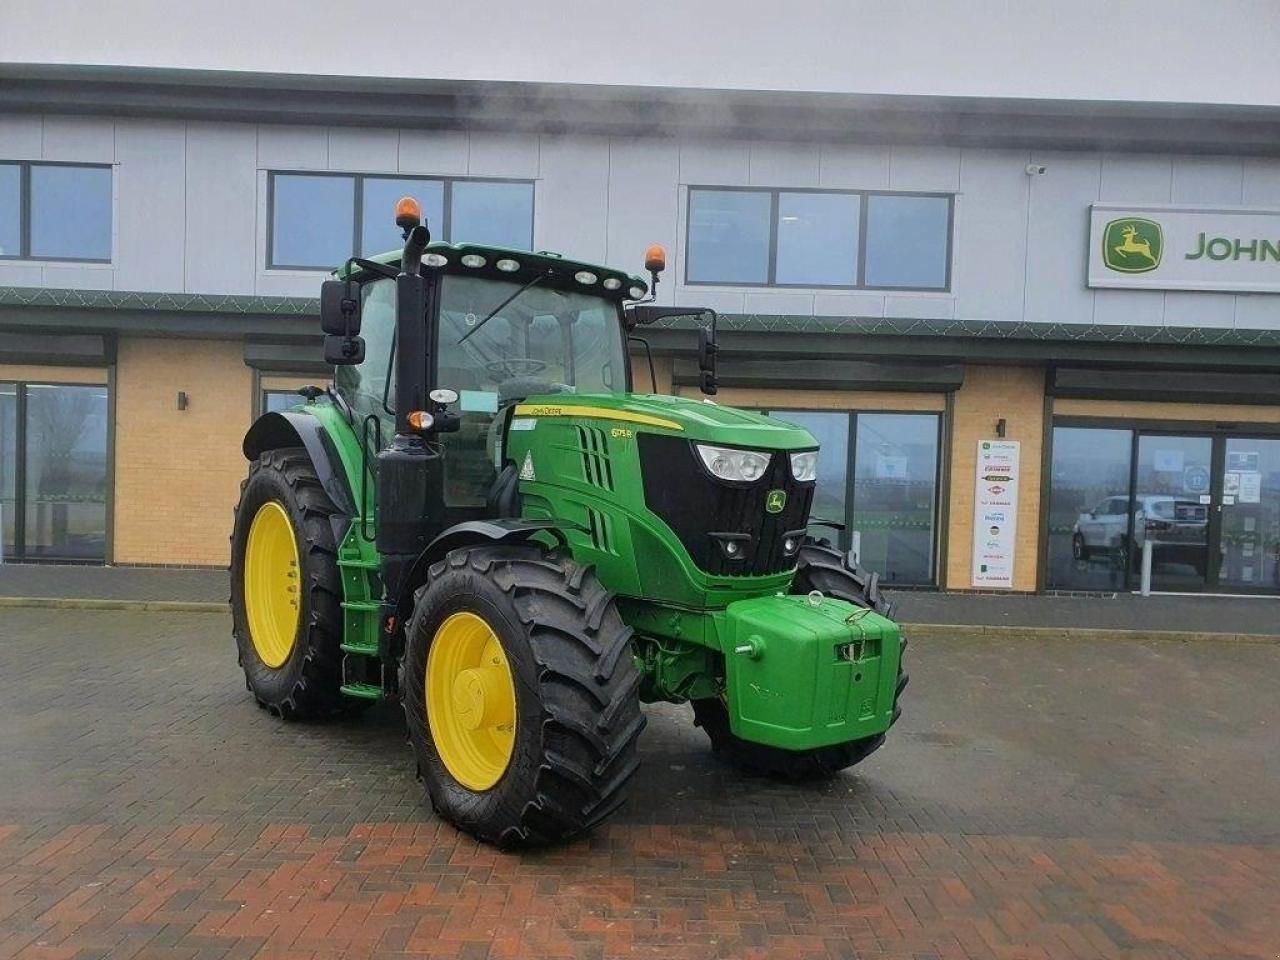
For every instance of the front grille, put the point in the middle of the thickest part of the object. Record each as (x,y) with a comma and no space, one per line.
(694,504)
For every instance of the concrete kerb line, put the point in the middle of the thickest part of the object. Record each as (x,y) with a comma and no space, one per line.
(932,631)
(974,631)
(91,603)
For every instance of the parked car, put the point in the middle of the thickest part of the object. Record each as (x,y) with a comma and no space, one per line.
(1177,527)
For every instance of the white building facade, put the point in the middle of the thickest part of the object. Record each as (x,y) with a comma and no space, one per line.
(910,273)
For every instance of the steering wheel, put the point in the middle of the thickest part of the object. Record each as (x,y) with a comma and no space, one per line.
(514,368)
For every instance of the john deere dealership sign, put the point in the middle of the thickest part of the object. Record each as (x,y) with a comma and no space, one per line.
(1184,248)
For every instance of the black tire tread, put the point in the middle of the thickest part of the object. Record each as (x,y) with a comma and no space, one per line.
(587,692)
(313,692)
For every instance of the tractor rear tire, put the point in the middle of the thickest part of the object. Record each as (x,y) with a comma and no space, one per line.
(819,567)
(521,695)
(285,583)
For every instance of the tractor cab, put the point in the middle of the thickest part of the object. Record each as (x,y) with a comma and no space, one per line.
(435,345)
(504,325)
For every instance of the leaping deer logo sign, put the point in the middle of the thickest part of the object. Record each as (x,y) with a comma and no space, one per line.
(1132,245)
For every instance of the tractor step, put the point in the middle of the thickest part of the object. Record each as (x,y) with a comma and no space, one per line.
(362,649)
(359,564)
(369,606)
(365,691)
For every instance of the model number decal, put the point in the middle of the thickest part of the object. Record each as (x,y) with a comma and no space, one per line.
(621,433)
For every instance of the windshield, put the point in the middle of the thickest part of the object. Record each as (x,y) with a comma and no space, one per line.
(544,341)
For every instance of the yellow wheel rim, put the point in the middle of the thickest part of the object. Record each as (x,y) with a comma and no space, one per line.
(471,701)
(271,584)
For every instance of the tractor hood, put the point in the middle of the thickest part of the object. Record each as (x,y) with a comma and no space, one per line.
(680,416)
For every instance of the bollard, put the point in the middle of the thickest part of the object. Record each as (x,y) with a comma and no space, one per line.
(1147,551)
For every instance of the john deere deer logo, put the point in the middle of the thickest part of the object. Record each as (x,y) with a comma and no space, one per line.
(1132,245)
(775,501)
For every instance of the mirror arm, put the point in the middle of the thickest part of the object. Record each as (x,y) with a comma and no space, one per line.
(381,269)
(707,357)
(653,376)
(415,244)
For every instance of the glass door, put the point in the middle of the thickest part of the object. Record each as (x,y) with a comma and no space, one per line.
(1249,547)
(8,470)
(65,472)
(895,494)
(1174,490)
(878,475)
(53,471)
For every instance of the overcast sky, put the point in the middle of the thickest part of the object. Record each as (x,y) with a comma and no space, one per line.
(1225,51)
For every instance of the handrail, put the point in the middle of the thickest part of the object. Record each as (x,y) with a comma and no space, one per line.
(366,470)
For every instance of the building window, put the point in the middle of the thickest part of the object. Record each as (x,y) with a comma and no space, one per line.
(318,220)
(729,236)
(274,401)
(908,242)
(55,211)
(53,471)
(1089,508)
(818,238)
(885,493)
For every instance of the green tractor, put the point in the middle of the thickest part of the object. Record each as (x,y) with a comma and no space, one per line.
(481,520)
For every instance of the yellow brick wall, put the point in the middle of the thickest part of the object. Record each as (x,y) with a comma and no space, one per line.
(178,472)
(781,399)
(1131,410)
(989,393)
(44,373)
(290,381)
(640,380)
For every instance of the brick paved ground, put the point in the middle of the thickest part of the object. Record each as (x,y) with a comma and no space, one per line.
(1037,800)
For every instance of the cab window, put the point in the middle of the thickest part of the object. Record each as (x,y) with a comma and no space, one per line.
(365,385)
(544,341)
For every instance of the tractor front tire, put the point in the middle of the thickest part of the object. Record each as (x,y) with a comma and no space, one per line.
(285,588)
(520,694)
(818,567)
(823,568)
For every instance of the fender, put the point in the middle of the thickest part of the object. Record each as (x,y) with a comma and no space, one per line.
(293,429)
(506,530)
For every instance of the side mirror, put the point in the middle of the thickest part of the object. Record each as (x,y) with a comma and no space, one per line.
(640,314)
(343,351)
(340,308)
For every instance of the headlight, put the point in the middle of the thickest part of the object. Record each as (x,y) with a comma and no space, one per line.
(734,464)
(804,466)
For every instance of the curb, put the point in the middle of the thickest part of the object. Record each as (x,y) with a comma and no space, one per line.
(88,603)
(926,631)
(971,631)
